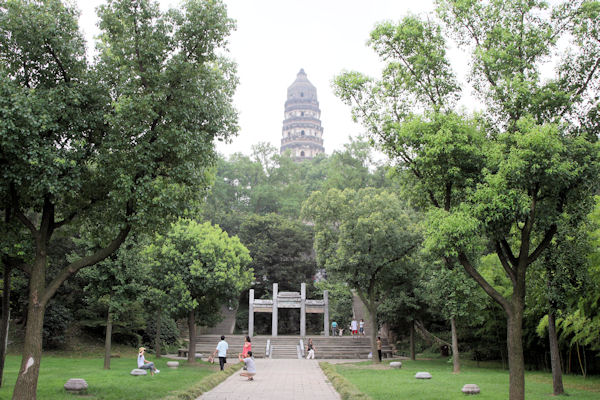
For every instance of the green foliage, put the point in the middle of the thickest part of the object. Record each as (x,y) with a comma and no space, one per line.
(198,267)
(361,234)
(280,250)
(580,324)
(56,321)
(340,301)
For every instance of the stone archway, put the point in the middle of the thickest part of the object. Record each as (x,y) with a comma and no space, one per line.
(288,300)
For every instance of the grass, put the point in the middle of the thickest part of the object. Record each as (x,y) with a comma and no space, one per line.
(380,382)
(116,383)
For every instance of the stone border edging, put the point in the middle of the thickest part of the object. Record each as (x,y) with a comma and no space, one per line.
(205,384)
(345,389)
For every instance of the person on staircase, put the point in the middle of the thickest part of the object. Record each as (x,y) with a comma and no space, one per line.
(354,327)
(361,327)
(310,349)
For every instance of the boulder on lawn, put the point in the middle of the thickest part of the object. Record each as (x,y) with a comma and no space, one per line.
(139,372)
(471,388)
(172,364)
(423,375)
(76,385)
(396,364)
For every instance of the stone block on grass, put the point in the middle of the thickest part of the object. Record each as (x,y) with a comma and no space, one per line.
(172,364)
(76,385)
(423,375)
(396,364)
(471,388)
(138,372)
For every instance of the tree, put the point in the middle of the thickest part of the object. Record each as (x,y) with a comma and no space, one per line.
(122,143)
(361,237)
(200,268)
(456,296)
(116,285)
(280,249)
(531,156)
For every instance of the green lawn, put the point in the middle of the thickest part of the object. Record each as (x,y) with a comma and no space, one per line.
(113,384)
(381,382)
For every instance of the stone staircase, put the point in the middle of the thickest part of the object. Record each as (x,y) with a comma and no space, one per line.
(206,344)
(344,347)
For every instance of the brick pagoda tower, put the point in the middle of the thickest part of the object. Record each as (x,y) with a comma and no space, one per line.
(302,133)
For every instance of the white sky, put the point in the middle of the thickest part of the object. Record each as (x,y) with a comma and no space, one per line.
(275,38)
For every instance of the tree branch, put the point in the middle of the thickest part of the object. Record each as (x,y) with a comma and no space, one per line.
(56,59)
(425,334)
(84,262)
(14,262)
(489,289)
(507,268)
(508,252)
(543,244)
(18,213)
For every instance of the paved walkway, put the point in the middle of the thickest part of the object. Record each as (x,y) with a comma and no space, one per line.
(277,379)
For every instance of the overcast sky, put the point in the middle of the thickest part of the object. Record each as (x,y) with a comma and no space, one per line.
(275,38)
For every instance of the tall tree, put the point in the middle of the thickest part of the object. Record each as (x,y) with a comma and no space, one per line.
(201,268)
(281,250)
(532,155)
(361,237)
(110,146)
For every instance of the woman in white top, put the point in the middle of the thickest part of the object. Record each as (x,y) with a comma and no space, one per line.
(145,364)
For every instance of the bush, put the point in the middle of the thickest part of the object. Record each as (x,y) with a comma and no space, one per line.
(169,333)
(56,321)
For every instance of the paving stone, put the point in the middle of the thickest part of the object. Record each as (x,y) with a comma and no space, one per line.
(396,364)
(76,385)
(172,364)
(471,388)
(139,372)
(277,379)
(423,375)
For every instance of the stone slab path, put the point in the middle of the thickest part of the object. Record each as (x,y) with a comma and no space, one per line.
(277,379)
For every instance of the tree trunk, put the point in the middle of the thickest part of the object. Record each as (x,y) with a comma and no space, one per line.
(516,362)
(26,386)
(455,354)
(557,385)
(108,339)
(5,320)
(372,308)
(412,340)
(192,330)
(158,333)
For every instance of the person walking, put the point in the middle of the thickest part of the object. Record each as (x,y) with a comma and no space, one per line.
(221,352)
(354,327)
(333,328)
(361,327)
(310,349)
(145,364)
(249,366)
(379,347)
